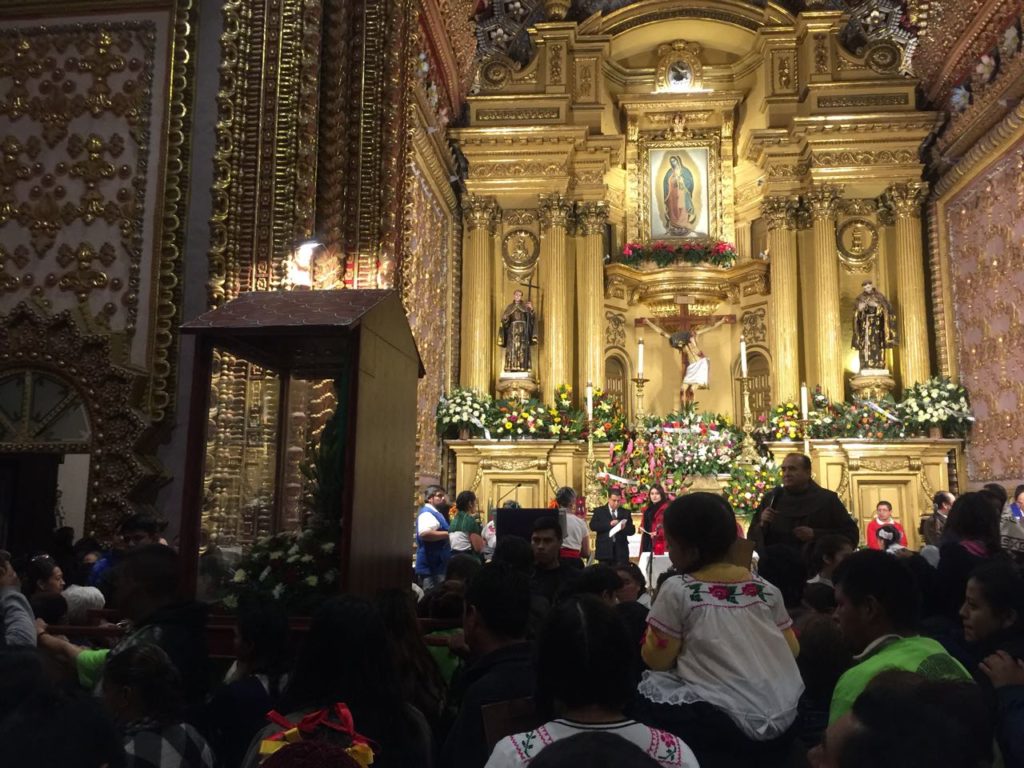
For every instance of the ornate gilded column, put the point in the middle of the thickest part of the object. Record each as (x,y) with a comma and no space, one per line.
(481,215)
(822,202)
(556,285)
(912,321)
(779,213)
(591,218)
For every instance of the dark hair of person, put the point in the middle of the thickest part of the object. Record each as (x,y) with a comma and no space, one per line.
(593,580)
(940,498)
(565,496)
(462,567)
(616,491)
(1018,491)
(705,522)
(418,674)
(464,501)
(155,568)
(21,671)
(634,573)
(596,749)
(346,658)
(263,625)
(661,489)
(50,607)
(38,568)
(998,491)
(148,670)
(885,503)
(514,551)
(56,727)
(827,547)
(312,753)
(141,521)
(596,634)
(548,524)
(823,657)
(820,598)
(951,725)
(447,602)
(665,576)
(501,596)
(783,567)
(1002,587)
(872,573)
(974,516)
(805,461)
(511,504)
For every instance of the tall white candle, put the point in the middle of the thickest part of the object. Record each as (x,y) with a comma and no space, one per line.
(743,357)
(590,400)
(803,401)
(640,359)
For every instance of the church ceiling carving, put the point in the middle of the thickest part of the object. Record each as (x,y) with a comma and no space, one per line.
(886,30)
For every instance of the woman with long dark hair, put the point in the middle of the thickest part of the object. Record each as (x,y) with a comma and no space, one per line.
(346,658)
(418,674)
(971,538)
(652,522)
(42,574)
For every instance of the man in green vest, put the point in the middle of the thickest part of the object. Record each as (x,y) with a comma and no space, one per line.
(877,607)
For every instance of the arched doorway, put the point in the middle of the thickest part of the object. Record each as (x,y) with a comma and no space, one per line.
(45,440)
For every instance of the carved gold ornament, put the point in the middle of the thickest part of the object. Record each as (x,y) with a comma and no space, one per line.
(679,67)
(520,249)
(883,57)
(857,241)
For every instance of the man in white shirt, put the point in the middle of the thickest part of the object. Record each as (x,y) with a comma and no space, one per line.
(433,549)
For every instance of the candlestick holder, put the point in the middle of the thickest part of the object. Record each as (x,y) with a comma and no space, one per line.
(591,488)
(748,449)
(805,428)
(639,383)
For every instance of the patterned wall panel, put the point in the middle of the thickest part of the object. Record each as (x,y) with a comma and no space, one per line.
(426,276)
(986,252)
(82,112)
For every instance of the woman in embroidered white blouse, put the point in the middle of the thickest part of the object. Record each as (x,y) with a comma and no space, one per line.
(719,645)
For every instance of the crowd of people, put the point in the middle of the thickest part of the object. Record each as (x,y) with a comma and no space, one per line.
(788,644)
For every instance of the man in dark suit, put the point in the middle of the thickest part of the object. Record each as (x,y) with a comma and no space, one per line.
(612,550)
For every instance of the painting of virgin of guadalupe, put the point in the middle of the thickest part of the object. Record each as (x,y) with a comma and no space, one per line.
(679,192)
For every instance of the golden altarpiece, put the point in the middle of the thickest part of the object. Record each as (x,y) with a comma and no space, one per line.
(123,216)
(803,154)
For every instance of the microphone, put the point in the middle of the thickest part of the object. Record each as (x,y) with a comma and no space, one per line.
(506,495)
(770,505)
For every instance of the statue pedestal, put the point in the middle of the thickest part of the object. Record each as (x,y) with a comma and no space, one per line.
(873,384)
(906,473)
(521,385)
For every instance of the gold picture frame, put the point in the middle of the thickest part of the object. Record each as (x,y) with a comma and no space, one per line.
(679,194)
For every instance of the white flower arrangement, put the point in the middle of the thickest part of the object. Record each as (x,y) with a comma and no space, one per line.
(937,402)
(463,409)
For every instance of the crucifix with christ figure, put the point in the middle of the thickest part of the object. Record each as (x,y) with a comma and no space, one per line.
(683,332)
